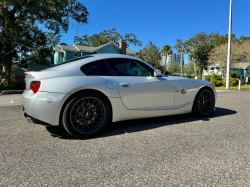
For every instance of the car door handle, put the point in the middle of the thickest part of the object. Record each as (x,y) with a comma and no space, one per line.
(124,84)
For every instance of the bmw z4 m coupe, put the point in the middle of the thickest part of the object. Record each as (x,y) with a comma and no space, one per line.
(85,94)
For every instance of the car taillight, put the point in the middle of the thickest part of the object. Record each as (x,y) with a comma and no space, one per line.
(34,86)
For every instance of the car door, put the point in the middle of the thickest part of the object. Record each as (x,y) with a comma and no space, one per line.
(138,87)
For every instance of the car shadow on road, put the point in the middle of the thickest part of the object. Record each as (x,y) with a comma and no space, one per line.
(131,126)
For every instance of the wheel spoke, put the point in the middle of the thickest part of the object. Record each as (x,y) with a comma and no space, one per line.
(205,102)
(88,103)
(87,115)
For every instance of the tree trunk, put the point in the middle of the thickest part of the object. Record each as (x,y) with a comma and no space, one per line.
(194,68)
(7,61)
(6,66)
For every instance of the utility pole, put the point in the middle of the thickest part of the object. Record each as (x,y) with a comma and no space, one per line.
(229,47)
(182,61)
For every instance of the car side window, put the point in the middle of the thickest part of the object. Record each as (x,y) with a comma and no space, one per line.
(129,67)
(97,68)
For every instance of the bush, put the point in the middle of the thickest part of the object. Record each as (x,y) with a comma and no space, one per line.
(233,74)
(233,82)
(216,83)
(213,77)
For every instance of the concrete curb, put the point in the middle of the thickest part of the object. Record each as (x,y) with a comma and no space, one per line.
(7,92)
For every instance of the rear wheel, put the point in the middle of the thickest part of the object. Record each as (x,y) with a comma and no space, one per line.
(204,103)
(86,115)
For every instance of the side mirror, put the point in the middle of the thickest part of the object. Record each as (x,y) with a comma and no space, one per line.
(157,73)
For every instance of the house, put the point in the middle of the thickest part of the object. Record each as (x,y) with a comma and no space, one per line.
(215,68)
(65,52)
(242,69)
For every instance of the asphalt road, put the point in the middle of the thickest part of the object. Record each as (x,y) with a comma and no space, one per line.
(167,151)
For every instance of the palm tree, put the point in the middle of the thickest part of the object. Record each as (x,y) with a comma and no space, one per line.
(166,51)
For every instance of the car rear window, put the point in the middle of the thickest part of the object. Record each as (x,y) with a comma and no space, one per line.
(97,68)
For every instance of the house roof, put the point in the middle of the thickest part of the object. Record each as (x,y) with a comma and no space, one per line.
(58,49)
(81,48)
(109,43)
(68,48)
(84,48)
(240,65)
(130,51)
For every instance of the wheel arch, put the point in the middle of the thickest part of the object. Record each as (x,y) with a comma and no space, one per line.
(78,93)
(204,87)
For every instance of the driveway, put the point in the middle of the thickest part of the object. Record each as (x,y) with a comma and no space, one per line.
(167,151)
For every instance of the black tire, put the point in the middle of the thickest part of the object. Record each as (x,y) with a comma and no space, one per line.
(86,115)
(204,103)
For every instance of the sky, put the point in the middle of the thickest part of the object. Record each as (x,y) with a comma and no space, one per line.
(183,19)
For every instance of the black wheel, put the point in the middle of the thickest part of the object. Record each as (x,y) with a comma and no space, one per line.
(86,115)
(204,103)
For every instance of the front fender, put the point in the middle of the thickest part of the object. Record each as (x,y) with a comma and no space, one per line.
(192,87)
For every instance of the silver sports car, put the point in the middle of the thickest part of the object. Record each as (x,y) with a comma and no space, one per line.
(87,93)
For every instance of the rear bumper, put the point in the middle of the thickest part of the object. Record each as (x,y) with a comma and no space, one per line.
(31,119)
(43,106)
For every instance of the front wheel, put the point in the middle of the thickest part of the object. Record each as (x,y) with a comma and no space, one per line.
(86,115)
(204,103)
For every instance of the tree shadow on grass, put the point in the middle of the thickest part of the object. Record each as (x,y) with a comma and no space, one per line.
(131,126)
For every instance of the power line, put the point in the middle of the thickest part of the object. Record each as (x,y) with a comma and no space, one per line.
(166,17)
(162,19)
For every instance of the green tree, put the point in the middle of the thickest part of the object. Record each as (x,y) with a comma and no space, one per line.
(151,54)
(189,68)
(173,67)
(166,50)
(39,56)
(105,37)
(199,46)
(21,25)
(63,43)
(244,38)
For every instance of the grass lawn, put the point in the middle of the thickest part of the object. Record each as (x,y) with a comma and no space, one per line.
(242,88)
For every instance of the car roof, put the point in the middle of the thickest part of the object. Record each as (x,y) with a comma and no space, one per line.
(77,62)
(108,55)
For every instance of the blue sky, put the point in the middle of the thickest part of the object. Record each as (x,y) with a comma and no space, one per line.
(125,15)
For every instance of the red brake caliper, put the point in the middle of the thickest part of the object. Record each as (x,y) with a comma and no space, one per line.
(78,108)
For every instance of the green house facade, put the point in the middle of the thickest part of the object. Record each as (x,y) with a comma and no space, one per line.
(242,69)
(65,52)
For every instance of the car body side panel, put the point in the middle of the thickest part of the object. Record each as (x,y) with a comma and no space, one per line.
(70,85)
(146,93)
(121,113)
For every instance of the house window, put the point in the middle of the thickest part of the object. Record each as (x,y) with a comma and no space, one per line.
(76,54)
